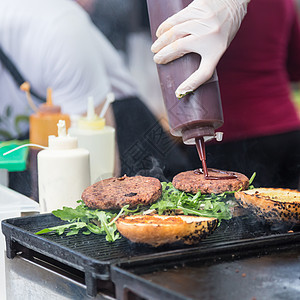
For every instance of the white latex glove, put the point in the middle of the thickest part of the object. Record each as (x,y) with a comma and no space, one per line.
(205,27)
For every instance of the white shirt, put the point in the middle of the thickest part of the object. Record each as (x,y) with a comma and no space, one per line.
(53,43)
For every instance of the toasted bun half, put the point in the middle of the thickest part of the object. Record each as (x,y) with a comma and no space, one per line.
(272,204)
(158,230)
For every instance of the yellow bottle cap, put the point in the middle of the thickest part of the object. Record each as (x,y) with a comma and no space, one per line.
(91,121)
(96,124)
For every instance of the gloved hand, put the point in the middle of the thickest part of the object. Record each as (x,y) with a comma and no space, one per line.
(205,27)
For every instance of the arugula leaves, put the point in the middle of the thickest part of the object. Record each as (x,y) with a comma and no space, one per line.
(251,181)
(74,228)
(212,205)
(83,217)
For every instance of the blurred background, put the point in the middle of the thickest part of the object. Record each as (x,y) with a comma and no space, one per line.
(126,25)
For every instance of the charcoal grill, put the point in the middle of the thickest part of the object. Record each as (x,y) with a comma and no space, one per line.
(97,262)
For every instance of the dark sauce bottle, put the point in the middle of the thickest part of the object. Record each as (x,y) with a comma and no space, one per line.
(196,116)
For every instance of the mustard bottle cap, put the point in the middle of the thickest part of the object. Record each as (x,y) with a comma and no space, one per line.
(91,121)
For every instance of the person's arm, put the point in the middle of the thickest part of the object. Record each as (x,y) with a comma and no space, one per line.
(205,27)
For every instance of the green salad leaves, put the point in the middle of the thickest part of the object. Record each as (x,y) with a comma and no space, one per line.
(86,220)
(173,200)
(91,220)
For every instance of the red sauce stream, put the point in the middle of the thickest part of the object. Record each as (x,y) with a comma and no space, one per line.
(200,145)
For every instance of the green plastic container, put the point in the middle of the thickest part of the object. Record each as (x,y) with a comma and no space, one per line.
(15,161)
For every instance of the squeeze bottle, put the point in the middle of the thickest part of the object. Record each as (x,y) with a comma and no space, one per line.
(44,122)
(63,171)
(98,139)
(196,115)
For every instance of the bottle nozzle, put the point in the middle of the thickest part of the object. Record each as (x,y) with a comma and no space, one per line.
(92,121)
(49,97)
(91,110)
(49,107)
(61,126)
(62,141)
(109,99)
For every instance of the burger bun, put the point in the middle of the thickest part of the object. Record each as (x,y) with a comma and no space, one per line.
(157,230)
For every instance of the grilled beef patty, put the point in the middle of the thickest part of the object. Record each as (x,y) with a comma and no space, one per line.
(192,182)
(114,193)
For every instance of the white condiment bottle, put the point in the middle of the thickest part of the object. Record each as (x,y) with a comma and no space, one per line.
(98,139)
(63,171)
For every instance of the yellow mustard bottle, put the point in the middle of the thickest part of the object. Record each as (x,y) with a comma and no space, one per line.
(99,139)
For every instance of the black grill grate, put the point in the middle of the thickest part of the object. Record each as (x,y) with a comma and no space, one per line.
(96,247)
(93,255)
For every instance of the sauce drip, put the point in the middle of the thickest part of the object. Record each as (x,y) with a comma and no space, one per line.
(229,174)
(201,152)
(200,145)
